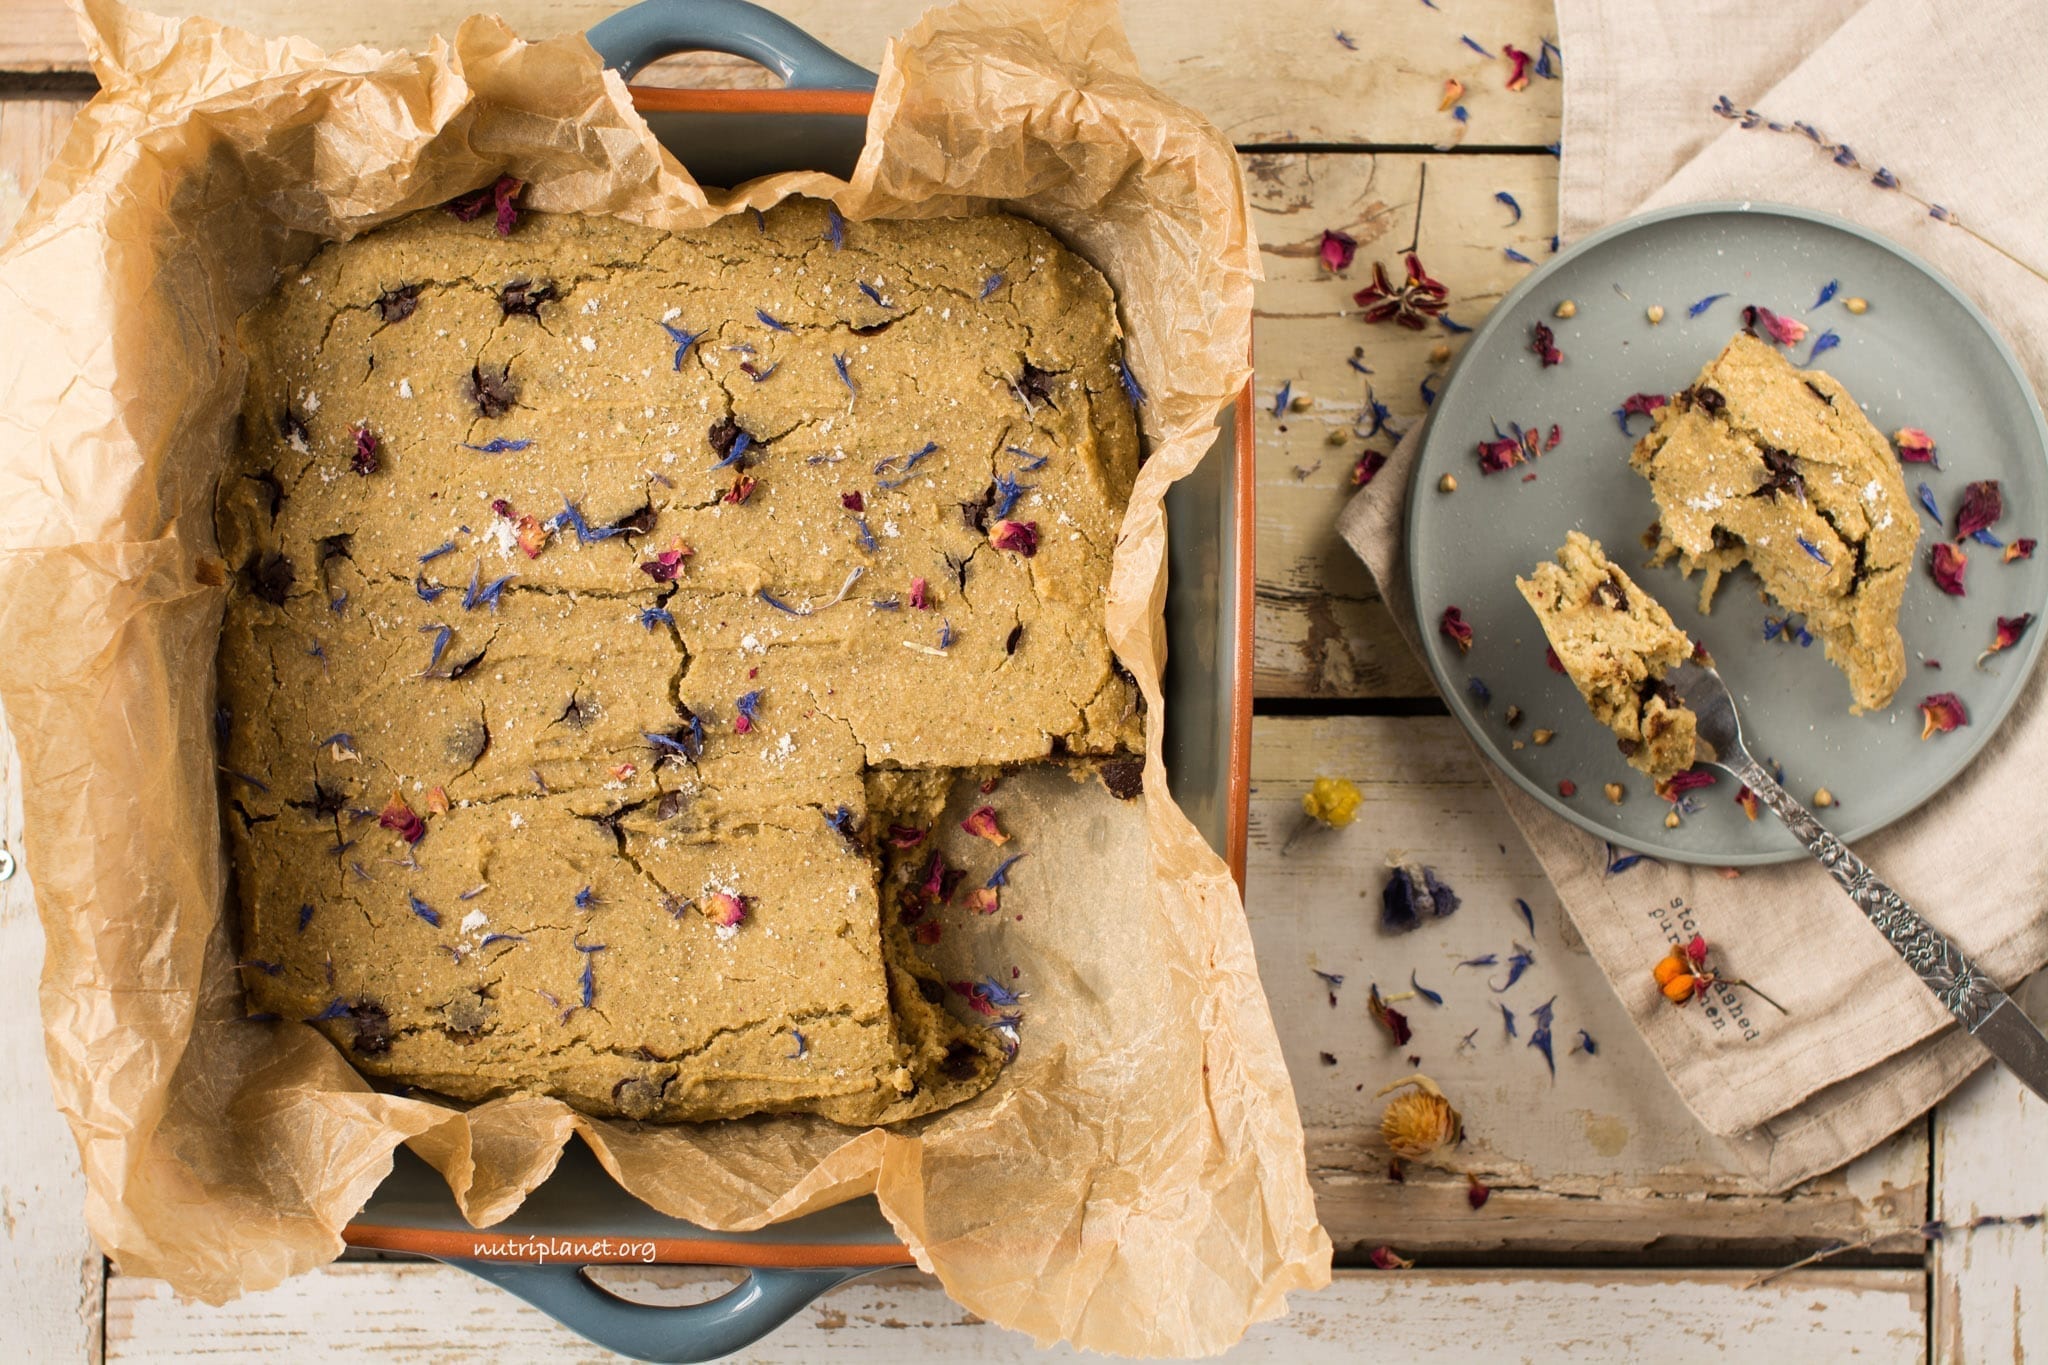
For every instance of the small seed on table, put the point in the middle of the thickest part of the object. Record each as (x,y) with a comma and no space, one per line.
(1544,736)
(1567,309)
(1299,403)
(1439,353)
(1447,484)
(1615,791)
(1656,314)
(1858,305)
(1671,819)
(1823,798)
(1338,436)
(1567,788)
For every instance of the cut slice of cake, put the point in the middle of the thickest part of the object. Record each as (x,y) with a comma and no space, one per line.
(1764,463)
(1616,643)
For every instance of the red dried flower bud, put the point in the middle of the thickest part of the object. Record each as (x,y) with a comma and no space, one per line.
(724,909)
(1457,628)
(1915,446)
(1982,505)
(1336,249)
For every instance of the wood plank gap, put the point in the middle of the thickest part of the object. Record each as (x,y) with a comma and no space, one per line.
(1397,148)
(1349,706)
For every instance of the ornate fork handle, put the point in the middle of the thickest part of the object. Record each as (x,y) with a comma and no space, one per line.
(1954,979)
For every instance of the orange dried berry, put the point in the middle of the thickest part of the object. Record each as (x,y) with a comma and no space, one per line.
(1672,966)
(1679,989)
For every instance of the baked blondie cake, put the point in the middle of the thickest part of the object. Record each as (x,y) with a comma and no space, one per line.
(1762,463)
(584,577)
(1616,644)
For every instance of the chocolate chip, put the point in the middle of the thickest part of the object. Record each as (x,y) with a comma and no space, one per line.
(669,807)
(638,522)
(268,575)
(1125,777)
(1709,398)
(373,1027)
(1781,475)
(724,434)
(1610,592)
(492,391)
(524,296)
(1035,385)
(1628,746)
(396,305)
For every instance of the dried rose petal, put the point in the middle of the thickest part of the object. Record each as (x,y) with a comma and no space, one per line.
(1337,249)
(533,536)
(1551,661)
(1785,331)
(1457,628)
(724,909)
(1021,536)
(1454,90)
(742,489)
(981,822)
(1982,506)
(920,599)
(1518,79)
(437,801)
(1477,1193)
(1386,1258)
(1550,441)
(906,836)
(2023,548)
(1947,564)
(1388,1018)
(1696,950)
(1543,342)
(364,460)
(1643,404)
(1942,713)
(2010,629)
(1369,463)
(853,502)
(666,566)
(1411,305)
(984,900)
(1747,800)
(1678,784)
(399,817)
(1497,457)
(1915,446)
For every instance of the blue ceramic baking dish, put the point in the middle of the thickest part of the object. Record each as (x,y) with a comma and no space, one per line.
(580,1216)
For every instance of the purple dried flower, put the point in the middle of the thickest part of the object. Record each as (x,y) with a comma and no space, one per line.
(1827,291)
(1826,341)
(839,364)
(1503,197)
(423,910)
(498,445)
(769,321)
(1467,41)
(1704,304)
(835,227)
(683,340)
(485,596)
(990,285)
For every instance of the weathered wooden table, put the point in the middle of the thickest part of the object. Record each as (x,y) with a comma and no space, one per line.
(1616,1228)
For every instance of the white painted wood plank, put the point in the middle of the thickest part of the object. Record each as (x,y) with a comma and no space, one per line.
(1991,1284)
(373,1311)
(1603,1156)
(50,1271)
(1321,628)
(1273,72)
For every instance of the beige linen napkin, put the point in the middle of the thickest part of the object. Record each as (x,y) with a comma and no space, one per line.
(1947,96)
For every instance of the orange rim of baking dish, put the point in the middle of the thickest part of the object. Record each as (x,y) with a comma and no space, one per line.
(572,1248)
(662,99)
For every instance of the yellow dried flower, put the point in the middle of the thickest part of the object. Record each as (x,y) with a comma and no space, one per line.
(1332,802)
(1420,1122)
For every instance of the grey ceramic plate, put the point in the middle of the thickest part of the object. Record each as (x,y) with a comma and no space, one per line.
(1921,356)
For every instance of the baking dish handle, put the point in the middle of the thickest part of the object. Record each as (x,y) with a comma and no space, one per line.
(654,29)
(750,1310)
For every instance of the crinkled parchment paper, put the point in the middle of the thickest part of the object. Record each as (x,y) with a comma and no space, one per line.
(1134,1184)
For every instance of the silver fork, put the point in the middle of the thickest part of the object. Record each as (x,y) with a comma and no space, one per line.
(1987,1012)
